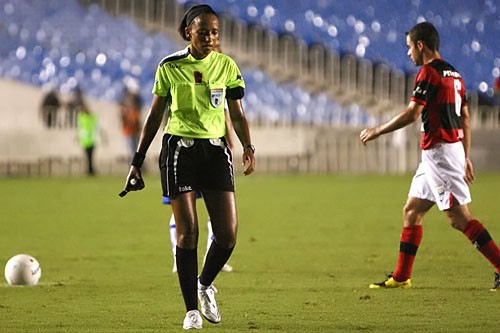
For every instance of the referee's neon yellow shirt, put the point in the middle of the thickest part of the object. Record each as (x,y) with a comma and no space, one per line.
(196,91)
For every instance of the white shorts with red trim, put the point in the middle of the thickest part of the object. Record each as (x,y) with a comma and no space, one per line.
(440,176)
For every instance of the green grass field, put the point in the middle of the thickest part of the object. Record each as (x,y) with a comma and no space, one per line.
(308,247)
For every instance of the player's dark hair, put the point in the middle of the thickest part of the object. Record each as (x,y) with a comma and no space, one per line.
(190,15)
(427,33)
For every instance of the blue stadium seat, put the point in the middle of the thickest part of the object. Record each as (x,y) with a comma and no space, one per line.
(64,43)
(375,30)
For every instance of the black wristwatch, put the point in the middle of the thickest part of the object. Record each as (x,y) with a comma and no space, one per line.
(251,147)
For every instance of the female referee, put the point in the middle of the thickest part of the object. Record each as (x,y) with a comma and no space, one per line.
(193,83)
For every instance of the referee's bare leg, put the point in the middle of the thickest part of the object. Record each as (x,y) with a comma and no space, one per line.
(221,206)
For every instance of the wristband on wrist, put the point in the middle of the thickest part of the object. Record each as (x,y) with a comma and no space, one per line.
(138,159)
(251,147)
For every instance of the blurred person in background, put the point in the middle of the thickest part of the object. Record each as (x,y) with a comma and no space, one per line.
(130,108)
(445,172)
(73,107)
(88,131)
(496,89)
(193,84)
(49,108)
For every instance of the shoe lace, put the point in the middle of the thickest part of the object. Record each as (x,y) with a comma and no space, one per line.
(210,292)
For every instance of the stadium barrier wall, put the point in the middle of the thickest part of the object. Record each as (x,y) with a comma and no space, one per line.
(30,149)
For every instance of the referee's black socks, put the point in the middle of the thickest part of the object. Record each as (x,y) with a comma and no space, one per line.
(187,271)
(216,258)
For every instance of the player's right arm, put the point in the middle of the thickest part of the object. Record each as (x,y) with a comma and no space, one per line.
(152,123)
(149,130)
(403,119)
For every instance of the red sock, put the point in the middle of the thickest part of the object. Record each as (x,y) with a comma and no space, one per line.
(481,239)
(408,246)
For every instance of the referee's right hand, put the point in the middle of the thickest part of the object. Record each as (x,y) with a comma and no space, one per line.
(134,180)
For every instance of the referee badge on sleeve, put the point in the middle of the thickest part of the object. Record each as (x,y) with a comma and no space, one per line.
(216,97)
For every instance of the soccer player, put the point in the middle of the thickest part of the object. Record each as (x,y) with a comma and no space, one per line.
(166,200)
(193,83)
(445,172)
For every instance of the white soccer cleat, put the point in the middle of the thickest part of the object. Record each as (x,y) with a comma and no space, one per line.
(209,308)
(192,320)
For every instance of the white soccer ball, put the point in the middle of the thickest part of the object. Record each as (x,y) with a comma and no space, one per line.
(22,269)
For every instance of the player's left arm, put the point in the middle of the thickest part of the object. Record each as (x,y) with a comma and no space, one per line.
(242,130)
(466,141)
(403,119)
(229,129)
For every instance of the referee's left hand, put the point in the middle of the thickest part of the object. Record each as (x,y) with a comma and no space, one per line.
(248,161)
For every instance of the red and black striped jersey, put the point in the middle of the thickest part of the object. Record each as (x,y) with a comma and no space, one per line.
(441,90)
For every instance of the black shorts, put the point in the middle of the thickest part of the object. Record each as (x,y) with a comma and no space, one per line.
(188,164)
